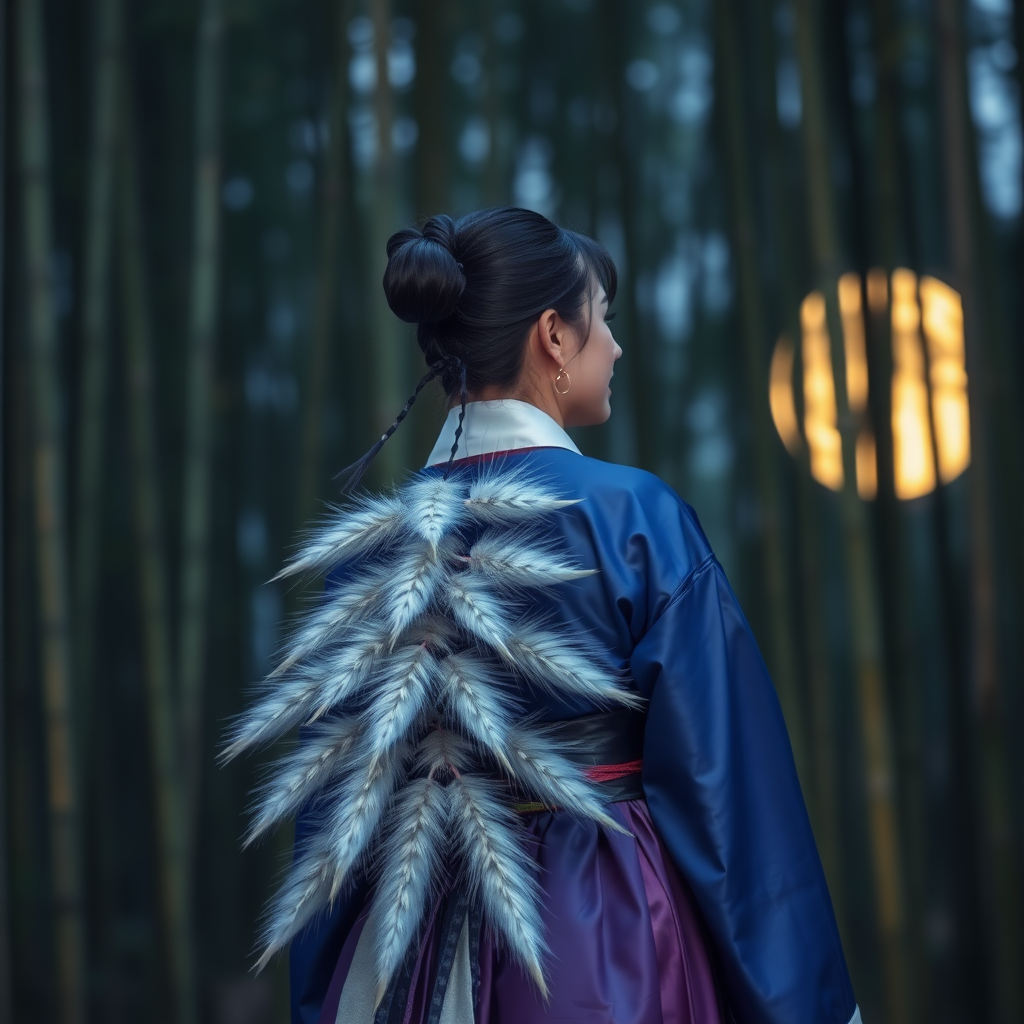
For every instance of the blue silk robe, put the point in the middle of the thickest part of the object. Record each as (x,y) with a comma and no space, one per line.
(718,772)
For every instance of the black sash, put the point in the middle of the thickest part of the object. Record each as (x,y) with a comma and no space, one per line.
(606,739)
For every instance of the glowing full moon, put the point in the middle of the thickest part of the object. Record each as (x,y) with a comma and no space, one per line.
(930,417)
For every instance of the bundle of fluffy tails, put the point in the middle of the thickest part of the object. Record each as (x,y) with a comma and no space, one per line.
(405,677)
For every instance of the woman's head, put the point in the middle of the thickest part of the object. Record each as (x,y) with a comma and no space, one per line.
(485,287)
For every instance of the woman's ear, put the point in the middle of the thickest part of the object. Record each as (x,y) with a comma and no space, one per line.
(550,334)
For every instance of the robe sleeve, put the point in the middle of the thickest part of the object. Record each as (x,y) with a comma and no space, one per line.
(723,792)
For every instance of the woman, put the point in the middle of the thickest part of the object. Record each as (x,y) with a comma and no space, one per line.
(579,802)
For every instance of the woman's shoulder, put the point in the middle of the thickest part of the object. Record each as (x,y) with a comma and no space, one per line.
(648,488)
(645,492)
(633,507)
(574,470)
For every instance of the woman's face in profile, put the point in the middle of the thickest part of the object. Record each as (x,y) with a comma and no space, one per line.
(590,369)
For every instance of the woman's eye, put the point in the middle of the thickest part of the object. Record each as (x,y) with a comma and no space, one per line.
(609,317)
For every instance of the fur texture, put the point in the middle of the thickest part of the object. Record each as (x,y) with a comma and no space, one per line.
(510,564)
(488,833)
(409,873)
(406,676)
(476,706)
(306,771)
(371,521)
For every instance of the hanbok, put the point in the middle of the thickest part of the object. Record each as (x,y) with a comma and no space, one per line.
(707,903)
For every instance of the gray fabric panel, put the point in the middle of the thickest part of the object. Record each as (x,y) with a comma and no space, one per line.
(458,1000)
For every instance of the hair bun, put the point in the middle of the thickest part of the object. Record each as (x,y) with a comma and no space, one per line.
(423,281)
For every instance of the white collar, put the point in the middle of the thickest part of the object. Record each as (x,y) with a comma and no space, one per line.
(499,426)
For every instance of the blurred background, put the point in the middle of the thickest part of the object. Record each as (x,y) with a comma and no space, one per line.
(815,208)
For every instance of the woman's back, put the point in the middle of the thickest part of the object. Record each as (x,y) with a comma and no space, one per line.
(615,914)
(548,777)
(701,897)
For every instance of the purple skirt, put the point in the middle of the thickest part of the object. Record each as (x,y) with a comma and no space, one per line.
(626,939)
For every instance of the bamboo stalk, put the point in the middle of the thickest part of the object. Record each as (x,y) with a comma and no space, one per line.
(6,997)
(199,425)
(95,364)
(1000,880)
(894,237)
(1006,433)
(335,182)
(51,527)
(171,835)
(389,361)
(495,190)
(432,89)
(28,793)
(866,629)
(824,788)
(643,352)
(1007,421)
(356,395)
(970,961)
(781,656)
(597,160)
(642,377)
(892,246)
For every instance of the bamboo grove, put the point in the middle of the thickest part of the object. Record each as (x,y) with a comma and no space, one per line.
(815,208)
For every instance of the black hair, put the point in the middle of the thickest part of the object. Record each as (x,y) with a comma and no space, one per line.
(475,286)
